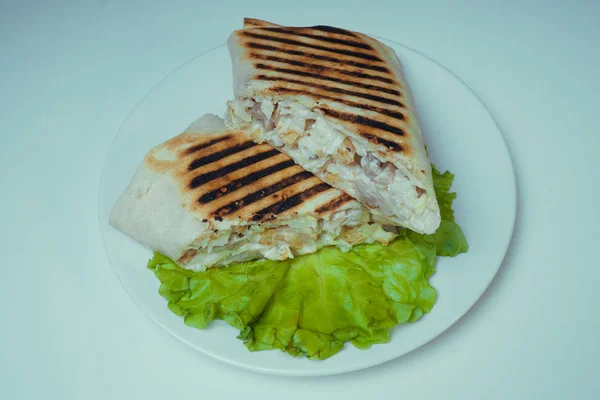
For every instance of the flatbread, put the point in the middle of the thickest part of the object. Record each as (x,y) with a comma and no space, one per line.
(355,85)
(212,196)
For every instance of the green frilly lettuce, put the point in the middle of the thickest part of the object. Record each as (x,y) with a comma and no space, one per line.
(448,239)
(311,305)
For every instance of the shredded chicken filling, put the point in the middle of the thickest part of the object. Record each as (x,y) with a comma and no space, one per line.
(321,148)
(302,236)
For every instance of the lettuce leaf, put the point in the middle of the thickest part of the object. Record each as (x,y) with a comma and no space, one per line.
(448,239)
(313,304)
(442,184)
(237,294)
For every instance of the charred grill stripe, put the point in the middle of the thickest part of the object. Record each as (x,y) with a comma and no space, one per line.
(262,193)
(328,78)
(290,202)
(199,147)
(317,57)
(212,175)
(363,121)
(258,56)
(303,33)
(331,29)
(214,157)
(350,53)
(367,96)
(334,204)
(390,145)
(244,181)
(389,113)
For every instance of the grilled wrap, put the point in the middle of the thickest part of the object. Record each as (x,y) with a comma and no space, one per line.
(212,196)
(337,102)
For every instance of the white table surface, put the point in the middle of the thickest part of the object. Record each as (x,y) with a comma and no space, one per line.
(70,72)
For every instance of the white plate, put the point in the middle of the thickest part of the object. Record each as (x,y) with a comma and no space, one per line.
(461,136)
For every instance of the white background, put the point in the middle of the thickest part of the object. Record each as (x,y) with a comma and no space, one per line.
(70,72)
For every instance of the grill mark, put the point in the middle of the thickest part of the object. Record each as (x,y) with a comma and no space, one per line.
(244,181)
(209,176)
(366,96)
(389,113)
(301,32)
(318,57)
(351,53)
(328,78)
(334,204)
(211,158)
(199,147)
(331,29)
(390,145)
(290,202)
(363,121)
(262,193)
(321,67)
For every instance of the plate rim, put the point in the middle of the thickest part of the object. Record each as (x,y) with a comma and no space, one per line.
(316,371)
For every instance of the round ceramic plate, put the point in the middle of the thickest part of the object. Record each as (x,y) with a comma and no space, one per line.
(461,137)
